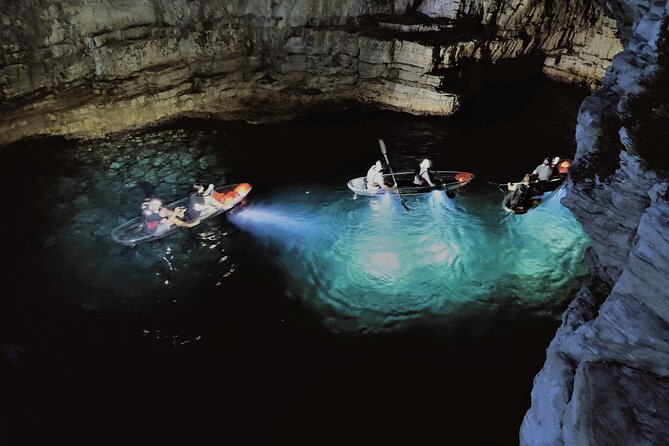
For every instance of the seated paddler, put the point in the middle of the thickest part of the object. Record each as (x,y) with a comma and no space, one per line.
(201,200)
(375,178)
(157,219)
(423,175)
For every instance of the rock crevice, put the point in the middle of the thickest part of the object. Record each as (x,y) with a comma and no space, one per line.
(616,331)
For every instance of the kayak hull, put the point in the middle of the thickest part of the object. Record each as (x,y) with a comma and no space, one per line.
(132,232)
(547,190)
(449,180)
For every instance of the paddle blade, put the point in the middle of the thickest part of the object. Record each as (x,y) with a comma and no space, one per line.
(382,145)
(450,194)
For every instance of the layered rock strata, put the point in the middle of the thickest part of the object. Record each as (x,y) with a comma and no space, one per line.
(87,67)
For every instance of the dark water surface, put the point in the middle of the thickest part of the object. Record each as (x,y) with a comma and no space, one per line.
(308,315)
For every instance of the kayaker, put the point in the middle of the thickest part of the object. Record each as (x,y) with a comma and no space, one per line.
(157,219)
(200,200)
(375,177)
(423,174)
(544,171)
(521,192)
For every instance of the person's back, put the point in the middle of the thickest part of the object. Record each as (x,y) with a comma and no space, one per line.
(423,175)
(519,195)
(150,221)
(544,171)
(375,176)
(195,202)
(150,216)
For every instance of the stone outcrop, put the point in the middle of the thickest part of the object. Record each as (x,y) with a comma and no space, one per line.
(606,376)
(87,67)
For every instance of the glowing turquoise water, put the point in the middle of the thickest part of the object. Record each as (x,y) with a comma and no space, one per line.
(367,265)
(204,312)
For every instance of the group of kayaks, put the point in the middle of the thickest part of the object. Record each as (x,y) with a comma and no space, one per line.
(134,231)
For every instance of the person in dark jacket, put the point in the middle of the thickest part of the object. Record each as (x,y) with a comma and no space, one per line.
(157,219)
(521,193)
(200,201)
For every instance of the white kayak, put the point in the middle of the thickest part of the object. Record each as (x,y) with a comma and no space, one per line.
(448,180)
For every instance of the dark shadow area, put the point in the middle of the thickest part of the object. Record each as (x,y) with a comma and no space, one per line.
(254,365)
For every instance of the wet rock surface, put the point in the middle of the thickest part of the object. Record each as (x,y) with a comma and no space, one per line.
(87,68)
(604,380)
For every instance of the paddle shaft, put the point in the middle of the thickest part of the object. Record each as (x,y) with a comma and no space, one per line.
(382,145)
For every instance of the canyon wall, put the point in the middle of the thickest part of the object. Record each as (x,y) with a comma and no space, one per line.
(88,67)
(606,376)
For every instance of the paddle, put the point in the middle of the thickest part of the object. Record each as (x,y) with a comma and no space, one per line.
(382,146)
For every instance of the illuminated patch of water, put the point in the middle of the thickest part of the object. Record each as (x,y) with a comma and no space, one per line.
(365,264)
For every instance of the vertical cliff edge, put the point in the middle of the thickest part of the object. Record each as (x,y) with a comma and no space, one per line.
(606,376)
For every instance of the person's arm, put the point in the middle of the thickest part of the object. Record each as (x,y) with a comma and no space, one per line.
(164,212)
(178,212)
(209,190)
(511,186)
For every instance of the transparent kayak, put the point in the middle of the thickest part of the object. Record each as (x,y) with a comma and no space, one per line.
(132,232)
(541,191)
(449,180)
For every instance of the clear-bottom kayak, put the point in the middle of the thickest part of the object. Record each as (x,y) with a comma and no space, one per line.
(447,180)
(133,233)
(540,192)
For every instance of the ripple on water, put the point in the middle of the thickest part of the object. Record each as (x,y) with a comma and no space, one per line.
(366,264)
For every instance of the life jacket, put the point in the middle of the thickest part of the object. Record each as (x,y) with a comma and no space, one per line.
(150,220)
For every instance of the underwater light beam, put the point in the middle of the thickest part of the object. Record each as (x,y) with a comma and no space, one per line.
(273,223)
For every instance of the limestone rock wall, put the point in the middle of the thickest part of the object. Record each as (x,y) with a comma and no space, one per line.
(87,67)
(606,376)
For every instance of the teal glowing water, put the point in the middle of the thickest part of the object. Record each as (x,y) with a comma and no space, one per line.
(368,265)
(207,306)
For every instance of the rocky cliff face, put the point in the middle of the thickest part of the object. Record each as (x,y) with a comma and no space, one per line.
(86,67)
(606,376)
